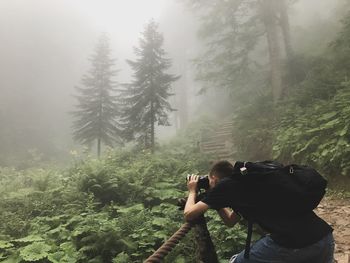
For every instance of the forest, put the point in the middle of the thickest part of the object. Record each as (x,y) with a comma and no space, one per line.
(101,122)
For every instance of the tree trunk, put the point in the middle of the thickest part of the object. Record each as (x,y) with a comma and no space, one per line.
(205,248)
(284,22)
(100,125)
(269,17)
(152,127)
(293,70)
(182,94)
(98,147)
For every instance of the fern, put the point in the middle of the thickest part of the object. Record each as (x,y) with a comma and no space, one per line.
(5,244)
(29,239)
(61,257)
(121,258)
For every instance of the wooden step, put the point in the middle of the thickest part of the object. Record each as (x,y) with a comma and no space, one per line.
(223,134)
(219,142)
(215,149)
(227,124)
(226,152)
(224,129)
(213,144)
(219,136)
(221,153)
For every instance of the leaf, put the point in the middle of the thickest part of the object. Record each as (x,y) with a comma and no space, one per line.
(113,187)
(89,249)
(79,231)
(61,257)
(5,244)
(56,257)
(344,130)
(29,239)
(69,249)
(180,259)
(328,116)
(137,207)
(304,148)
(325,152)
(127,243)
(342,141)
(314,130)
(13,259)
(35,251)
(160,221)
(122,258)
(96,188)
(330,124)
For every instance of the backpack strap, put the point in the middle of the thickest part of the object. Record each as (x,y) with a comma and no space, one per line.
(248,240)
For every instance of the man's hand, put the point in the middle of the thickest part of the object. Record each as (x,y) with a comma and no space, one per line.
(192,209)
(192,183)
(229,217)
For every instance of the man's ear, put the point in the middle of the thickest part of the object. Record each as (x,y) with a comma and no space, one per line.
(215,177)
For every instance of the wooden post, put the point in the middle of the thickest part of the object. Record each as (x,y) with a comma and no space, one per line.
(205,248)
(206,252)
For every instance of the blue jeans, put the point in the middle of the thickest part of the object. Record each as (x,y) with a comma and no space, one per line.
(266,250)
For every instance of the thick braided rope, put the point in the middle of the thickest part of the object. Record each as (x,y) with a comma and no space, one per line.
(166,248)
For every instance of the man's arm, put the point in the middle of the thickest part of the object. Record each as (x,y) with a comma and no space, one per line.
(193,209)
(229,217)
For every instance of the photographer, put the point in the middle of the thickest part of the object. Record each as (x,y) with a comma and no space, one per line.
(297,238)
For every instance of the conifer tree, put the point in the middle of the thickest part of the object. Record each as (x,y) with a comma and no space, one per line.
(145,99)
(235,31)
(96,113)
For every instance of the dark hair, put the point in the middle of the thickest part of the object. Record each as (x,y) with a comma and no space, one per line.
(222,169)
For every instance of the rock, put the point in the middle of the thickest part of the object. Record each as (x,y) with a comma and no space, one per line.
(343,258)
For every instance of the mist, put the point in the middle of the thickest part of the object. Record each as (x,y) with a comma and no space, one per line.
(45,46)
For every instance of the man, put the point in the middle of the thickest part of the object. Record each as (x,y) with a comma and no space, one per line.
(292,239)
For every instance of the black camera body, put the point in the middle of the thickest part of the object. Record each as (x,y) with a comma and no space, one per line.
(203,182)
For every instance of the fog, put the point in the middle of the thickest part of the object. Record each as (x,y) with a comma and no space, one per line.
(45,46)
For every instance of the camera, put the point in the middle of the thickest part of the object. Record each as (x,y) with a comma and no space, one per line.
(203,182)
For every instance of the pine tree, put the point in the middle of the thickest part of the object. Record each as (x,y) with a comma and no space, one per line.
(96,114)
(145,99)
(236,33)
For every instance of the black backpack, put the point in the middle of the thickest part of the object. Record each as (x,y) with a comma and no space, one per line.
(275,188)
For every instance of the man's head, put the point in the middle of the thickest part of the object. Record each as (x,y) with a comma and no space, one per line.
(218,171)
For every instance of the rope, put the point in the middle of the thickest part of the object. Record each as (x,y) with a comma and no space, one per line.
(166,248)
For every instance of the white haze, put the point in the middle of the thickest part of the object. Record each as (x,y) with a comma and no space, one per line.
(45,44)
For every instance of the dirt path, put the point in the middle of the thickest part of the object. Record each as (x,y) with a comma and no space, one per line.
(336,212)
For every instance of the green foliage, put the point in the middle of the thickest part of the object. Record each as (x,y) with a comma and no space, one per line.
(227,241)
(35,251)
(103,185)
(72,222)
(97,237)
(29,239)
(314,126)
(5,244)
(319,135)
(121,258)
(61,257)
(253,130)
(310,125)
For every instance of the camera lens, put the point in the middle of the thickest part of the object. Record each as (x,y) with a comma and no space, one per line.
(203,182)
